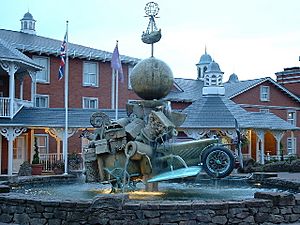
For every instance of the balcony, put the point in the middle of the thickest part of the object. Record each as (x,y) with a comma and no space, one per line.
(5,106)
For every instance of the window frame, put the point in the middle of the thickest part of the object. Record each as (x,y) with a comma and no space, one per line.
(46,70)
(293,120)
(267,97)
(42,96)
(264,110)
(90,99)
(293,141)
(47,142)
(90,84)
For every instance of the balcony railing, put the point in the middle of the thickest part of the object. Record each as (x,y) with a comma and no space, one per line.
(17,106)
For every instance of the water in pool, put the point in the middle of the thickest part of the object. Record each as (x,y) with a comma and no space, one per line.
(167,191)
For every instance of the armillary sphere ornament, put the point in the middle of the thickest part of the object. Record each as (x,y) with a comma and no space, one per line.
(151,9)
(152,34)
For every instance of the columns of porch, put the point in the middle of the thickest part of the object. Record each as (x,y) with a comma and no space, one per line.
(10,133)
(11,69)
(260,149)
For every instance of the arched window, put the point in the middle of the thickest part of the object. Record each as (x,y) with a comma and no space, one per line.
(214,80)
(25,24)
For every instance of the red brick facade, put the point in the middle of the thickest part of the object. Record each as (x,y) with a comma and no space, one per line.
(280,104)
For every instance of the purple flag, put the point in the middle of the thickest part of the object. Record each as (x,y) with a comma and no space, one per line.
(116,63)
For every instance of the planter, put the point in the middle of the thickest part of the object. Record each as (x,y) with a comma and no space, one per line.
(36,169)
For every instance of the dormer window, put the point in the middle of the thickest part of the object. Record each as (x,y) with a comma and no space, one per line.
(264,93)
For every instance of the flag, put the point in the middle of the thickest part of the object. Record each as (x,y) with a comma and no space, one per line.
(116,63)
(62,58)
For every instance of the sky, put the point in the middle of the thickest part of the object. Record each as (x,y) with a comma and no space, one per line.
(251,38)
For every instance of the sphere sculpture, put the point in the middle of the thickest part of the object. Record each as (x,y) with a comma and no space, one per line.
(151,79)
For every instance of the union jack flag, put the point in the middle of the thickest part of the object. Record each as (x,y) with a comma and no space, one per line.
(62,58)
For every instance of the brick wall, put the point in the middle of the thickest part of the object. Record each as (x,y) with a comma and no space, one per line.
(265,208)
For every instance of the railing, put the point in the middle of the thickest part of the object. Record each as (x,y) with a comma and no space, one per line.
(4,107)
(17,106)
(50,160)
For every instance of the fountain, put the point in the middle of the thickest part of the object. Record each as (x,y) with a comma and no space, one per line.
(141,146)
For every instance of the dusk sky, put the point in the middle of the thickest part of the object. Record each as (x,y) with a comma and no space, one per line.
(252,38)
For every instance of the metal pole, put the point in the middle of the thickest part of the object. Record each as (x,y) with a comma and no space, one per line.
(65,146)
(117,92)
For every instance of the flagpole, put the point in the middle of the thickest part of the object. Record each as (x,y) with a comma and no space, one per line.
(117,92)
(65,147)
(113,89)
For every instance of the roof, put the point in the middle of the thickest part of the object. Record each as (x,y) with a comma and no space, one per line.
(191,90)
(9,53)
(234,89)
(27,16)
(55,117)
(220,112)
(42,45)
(205,59)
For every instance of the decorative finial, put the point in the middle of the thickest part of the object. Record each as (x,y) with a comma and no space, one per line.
(152,34)
(205,50)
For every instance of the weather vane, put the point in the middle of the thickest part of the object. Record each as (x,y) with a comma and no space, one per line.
(152,34)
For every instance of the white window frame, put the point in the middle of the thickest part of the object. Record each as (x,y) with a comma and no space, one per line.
(291,145)
(47,143)
(264,110)
(130,68)
(84,99)
(264,93)
(45,70)
(293,120)
(42,96)
(89,83)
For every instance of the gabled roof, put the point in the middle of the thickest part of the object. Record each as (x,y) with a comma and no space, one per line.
(8,53)
(55,117)
(220,112)
(42,45)
(237,88)
(190,90)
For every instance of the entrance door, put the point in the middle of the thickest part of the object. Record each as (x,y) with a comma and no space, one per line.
(19,153)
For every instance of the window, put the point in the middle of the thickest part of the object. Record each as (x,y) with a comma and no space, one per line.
(42,143)
(130,68)
(42,76)
(291,117)
(42,101)
(264,110)
(90,74)
(264,93)
(291,145)
(1,93)
(90,103)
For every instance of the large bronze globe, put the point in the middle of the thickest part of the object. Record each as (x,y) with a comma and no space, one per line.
(151,79)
